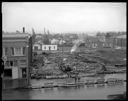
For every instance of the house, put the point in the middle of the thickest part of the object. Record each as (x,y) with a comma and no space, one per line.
(49,48)
(92,42)
(40,47)
(120,41)
(37,46)
(17,55)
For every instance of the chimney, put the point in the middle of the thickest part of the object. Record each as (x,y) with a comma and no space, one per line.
(23,29)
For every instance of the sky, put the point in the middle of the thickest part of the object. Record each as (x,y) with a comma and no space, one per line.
(63,17)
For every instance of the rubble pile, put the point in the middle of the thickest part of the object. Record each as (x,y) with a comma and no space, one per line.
(82,62)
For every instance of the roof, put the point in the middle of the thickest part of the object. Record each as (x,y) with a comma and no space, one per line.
(15,35)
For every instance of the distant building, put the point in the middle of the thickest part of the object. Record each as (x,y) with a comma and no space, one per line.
(49,47)
(54,42)
(40,47)
(120,41)
(17,54)
(37,46)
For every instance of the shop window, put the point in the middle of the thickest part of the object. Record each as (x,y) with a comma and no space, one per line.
(8,73)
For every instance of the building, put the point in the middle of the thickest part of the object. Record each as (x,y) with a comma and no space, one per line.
(50,48)
(37,46)
(17,55)
(40,47)
(120,41)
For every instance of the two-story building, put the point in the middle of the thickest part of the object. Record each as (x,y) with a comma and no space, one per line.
(17,55)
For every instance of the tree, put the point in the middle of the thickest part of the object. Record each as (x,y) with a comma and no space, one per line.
(46,39)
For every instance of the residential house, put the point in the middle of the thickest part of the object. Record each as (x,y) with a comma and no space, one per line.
(120,41)
(49,48)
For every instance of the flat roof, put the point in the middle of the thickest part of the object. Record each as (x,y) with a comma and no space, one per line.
(15,35)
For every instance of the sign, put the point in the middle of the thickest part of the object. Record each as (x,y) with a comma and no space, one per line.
(4,59)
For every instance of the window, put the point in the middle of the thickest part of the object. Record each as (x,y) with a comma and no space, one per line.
(12,50)
(18,51)
(3,53)
(44,47)
(8,73)
(11,63)
(7,63)
(6,51)
(49,48)
(24,72)
(36,47)
(23,61)
(24,50)
(15,63)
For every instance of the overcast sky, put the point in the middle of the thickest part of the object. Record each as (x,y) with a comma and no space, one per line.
(63,17)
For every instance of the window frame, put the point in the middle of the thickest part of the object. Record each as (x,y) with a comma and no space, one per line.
(17,54)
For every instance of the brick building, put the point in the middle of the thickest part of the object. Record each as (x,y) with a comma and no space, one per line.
(17,53)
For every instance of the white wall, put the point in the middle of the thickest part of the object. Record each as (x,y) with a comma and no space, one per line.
(37,45)
(14,72)
(46,47)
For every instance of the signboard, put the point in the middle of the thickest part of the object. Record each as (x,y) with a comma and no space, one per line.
(4,59)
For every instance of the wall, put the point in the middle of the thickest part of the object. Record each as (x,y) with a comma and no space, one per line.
(49,47)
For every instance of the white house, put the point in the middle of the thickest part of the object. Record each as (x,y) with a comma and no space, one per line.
(49,47)
(37,46)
